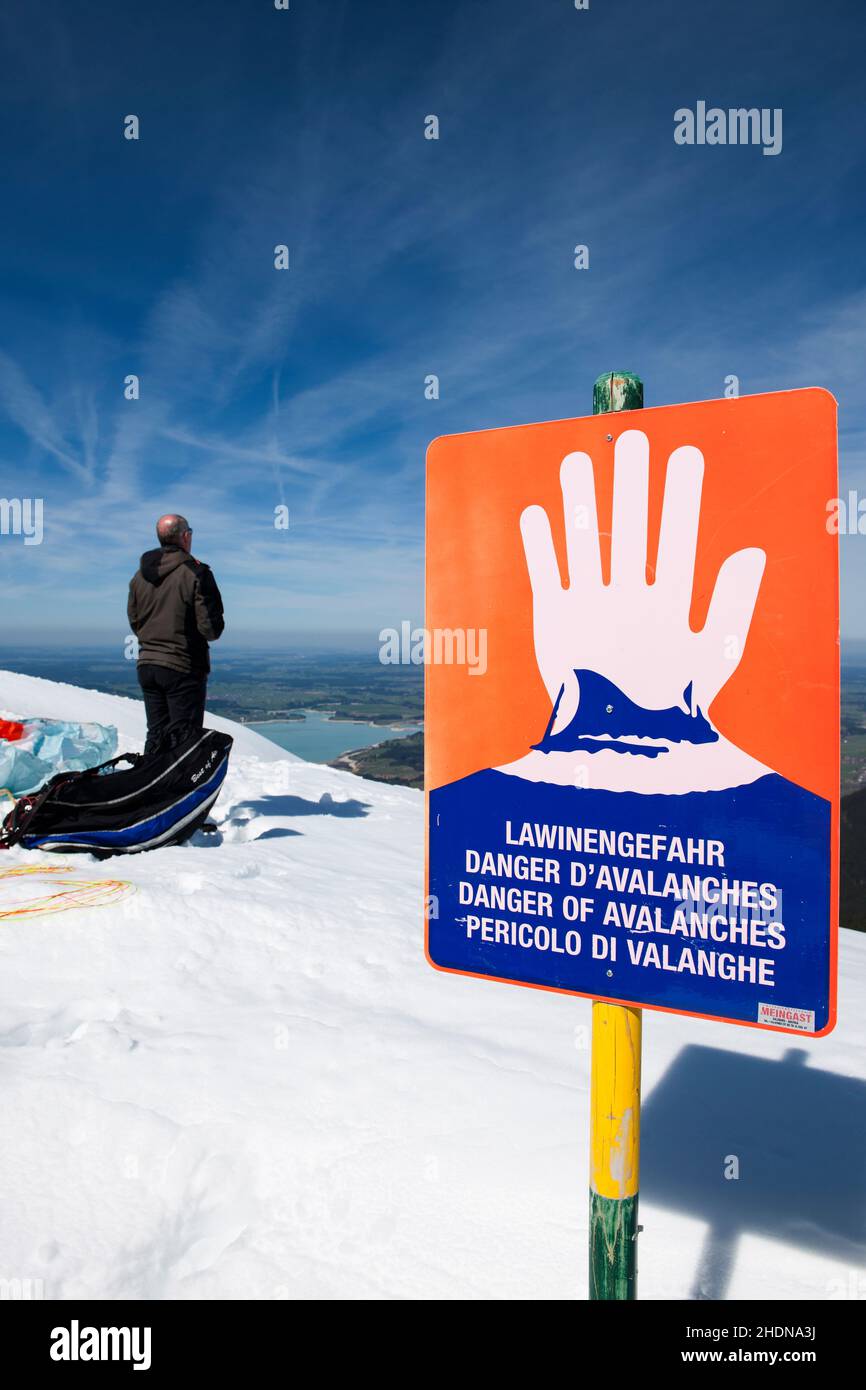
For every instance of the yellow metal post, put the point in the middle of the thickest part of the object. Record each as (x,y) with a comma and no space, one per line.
(614,1138)
(614,1125)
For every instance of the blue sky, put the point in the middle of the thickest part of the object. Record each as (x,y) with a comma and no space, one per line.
(408,257)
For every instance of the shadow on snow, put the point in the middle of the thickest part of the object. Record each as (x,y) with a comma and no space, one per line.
(799,1137)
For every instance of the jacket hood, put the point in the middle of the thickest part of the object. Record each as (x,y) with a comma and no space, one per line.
(156,564)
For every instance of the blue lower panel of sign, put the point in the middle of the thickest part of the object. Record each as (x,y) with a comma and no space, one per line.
(713,903)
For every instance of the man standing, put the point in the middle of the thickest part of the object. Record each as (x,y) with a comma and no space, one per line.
(175,610)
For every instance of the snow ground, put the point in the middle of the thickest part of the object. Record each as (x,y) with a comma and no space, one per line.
(245,1081)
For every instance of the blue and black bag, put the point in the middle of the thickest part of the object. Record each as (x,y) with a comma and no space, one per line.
(158,800)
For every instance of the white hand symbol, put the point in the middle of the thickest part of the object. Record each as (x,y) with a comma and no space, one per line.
(635,634)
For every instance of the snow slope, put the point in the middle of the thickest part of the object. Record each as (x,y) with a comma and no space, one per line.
(246,1082)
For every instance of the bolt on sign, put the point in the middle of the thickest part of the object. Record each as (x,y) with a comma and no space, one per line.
(638,798)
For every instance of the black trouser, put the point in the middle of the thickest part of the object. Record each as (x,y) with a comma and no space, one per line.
(174,702)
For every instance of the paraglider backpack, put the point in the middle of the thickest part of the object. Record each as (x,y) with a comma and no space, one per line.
(159,800)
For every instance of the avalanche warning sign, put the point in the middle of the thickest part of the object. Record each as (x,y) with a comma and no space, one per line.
(633,783)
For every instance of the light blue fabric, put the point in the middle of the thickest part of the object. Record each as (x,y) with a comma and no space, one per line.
(53,745)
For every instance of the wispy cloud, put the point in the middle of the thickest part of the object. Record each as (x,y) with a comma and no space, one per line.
(25,406)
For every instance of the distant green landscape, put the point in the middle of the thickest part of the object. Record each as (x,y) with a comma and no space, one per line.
(853,728)
(257,686)
(349,687)
(396,760)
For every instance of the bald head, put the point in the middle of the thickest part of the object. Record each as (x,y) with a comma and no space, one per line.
(173,529)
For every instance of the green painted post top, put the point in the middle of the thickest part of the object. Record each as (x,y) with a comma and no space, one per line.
(617,391)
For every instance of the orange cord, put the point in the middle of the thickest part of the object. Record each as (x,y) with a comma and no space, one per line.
(97,892)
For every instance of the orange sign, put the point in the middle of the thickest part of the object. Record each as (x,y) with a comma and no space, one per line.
(632,687)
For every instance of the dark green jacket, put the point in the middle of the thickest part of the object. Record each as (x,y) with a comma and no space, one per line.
(175,609)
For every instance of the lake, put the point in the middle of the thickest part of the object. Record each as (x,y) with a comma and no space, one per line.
(319,739)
